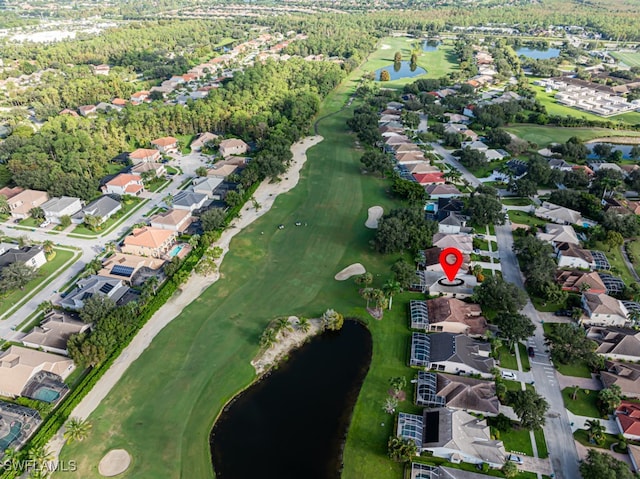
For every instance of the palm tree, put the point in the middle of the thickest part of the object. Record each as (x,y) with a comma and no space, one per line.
(380,298)
(452,175)
(37,213)
(284,325)
(268,338)
(575,392)
(11,459)
(367,293)
(110,247)
(595,430)
(303,324)
(39,456)
(193,241)
(391,288)
(76,429)
(152,282)
(390,405)
(47,246)
(45,306)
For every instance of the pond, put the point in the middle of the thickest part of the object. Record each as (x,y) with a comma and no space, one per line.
(401,70)
(538,54)
(293,423)
(430,45)
(625,149)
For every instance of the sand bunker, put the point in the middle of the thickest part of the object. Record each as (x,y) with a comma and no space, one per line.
(114,462)
(375,213)
(352,270)
(385,47)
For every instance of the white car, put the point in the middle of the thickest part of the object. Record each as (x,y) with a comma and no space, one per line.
(515,459)
(508,375)
(45,223)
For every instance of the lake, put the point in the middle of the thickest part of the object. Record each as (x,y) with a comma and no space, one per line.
(430,45)
(625,149)
(538,54)
(401,70)
(293,423)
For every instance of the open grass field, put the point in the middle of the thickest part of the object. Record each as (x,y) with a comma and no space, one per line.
(545,135)
(629,59)
(584,404)
(163,408)
(437,63)
(618,266)
(524,218)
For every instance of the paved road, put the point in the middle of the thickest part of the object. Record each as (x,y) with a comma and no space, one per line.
(557,430)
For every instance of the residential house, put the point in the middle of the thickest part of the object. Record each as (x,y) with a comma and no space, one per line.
(87,110)
(576,281)
(202,140)
(628,419)
(474,145)
(559,214)
(32,256)
(101,69)
(207,186)
(424,471)
(495,155)
(54,332)
(435,178)
(431,261)
(603,310)
(69,112)
(157,169)
(559,164)
(233,146)
(173,220)
(412,158)
(56,208)
(406,147)
(145,155)
(21,204)
(9,193)
(456,118)
(103,208)
(457,392)
(453,223)
(450,315)
(112,288)
(445,206)
(607,166)
(431,282)
(616,343)
(556,234)
(119,102)
(139,97)
(166,144)
(189,200)
(572,256)
(18,365)
(130,268)
(421,167)
(451,353)
(624,375)
(454,435)
(462,242)
(124,184)
(147,241)
(222,171)
(442,191)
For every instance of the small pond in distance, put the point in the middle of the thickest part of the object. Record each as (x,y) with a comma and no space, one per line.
(538,54)
(625,149)
(293,423)
(401,70)
(430,45)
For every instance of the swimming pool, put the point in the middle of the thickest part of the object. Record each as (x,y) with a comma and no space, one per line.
(14,432)
(176,250)
(46,394)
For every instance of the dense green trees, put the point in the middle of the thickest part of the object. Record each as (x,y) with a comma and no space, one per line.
(495,293)
(570,344)
(538,267)
(600,465)
(404,229)
(530,408)
(484,207)
(16,276)
(376,161)
(514,327)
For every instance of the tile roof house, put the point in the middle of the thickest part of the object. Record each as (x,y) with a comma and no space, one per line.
(90,286)
(411,158)
(126,267)
(21,204)
(624,375)
(462,242)
(559,214)
(9,193)
(554,234)
(207,186)
(435,178)
(54,332)
(144,155)
(139,96)
(167,144)
(222,170)
(442,191)
(451,353)
(69,112)
(103,207)
(421,167)
(101,69)
(56,208)
(451,315)
(431,261)
(577,281)
(233,146)
(424,471)
(87,110)
(189,200)
(457,392)
(147,241)
(202,140)
(454,435)
(616,343)
(452,223)
(157,169)
(603,310)
(173,220)
(18,365)
(406,147)
(124,184)
(571,256)
(628,419)
(32,256)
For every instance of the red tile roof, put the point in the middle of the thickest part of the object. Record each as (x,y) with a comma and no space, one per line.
(429,178)
(628,414)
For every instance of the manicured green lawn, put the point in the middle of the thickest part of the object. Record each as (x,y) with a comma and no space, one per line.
(541,444)
(163,418)
(633,249)
(507,358)
(127,208)
(618,266)
(46,270)
(524,218)
(524,357)
(171,170)
(544,135)
(156,184)
(31,222)
(629,59)
(185,141)
(437,63)
(486,169)
(582,436)
(517,440)
(584,404)
(516,201)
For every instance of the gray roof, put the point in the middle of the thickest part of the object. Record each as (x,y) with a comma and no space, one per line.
(188,198)
(453,219)
(94,284)
(55,205)
(206,184)
(102,207)
(462,349)
(23,254)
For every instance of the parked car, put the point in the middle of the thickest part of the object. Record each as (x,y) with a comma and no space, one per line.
(508,375)
(563,312)
(515,459)
(532,353)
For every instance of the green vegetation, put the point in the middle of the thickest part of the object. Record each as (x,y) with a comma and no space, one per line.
(582,436)
(524,218)
(629,59)
(585,403)
(507,358)
(185,141)
(30,222)
(543,136)
(516,201)
(485,169)
(62,258)
(518,440)
(128,207)
(524,357)
(543,453)
(618,266)
(577,368)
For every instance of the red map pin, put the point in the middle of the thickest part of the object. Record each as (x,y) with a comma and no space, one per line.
(451,260)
